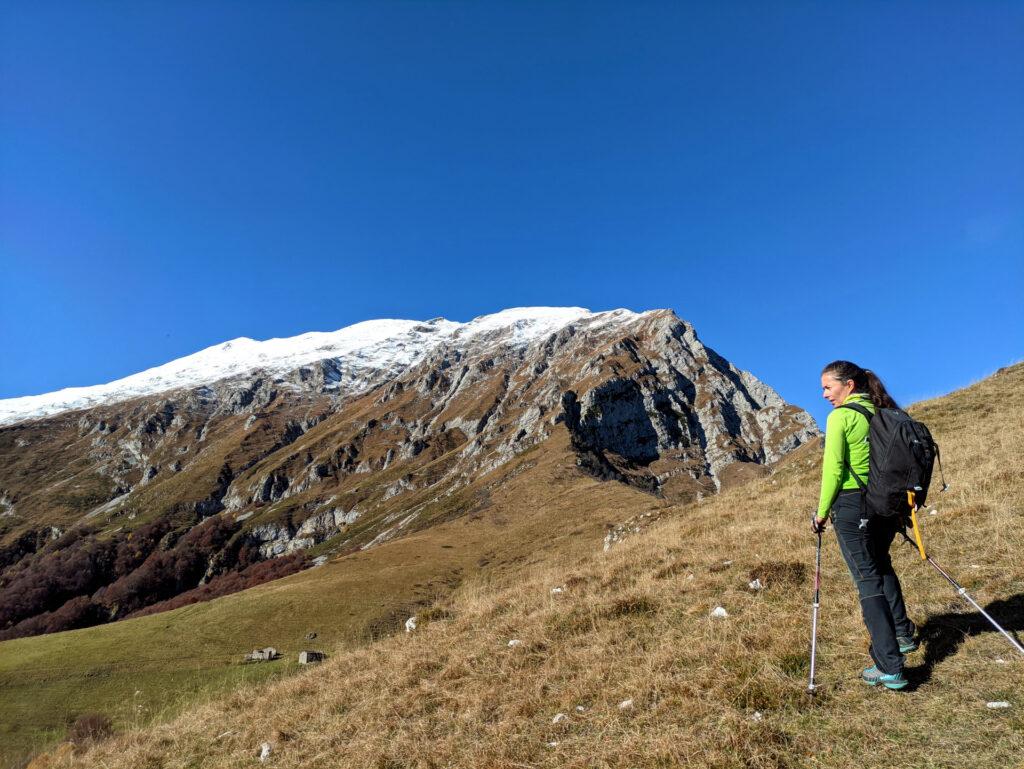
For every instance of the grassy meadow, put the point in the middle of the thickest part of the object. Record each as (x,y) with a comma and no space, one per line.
(619,661)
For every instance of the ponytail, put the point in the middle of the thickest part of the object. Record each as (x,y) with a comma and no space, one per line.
(864,381)
(877,392)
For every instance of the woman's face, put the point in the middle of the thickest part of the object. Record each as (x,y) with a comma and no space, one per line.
(834,390)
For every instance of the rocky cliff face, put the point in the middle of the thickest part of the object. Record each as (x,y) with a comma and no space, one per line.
(358,448)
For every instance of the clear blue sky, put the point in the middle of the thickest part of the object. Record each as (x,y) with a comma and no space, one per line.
(802,181)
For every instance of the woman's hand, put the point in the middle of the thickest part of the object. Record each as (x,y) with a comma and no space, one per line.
(818,524)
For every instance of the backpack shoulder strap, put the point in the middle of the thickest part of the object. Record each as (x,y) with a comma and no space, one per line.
(859,409)
(863,486)
(867,413)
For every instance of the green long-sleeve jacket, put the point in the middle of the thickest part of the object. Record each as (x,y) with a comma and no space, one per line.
(846,439)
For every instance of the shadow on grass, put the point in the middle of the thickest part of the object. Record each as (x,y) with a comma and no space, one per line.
(942,634)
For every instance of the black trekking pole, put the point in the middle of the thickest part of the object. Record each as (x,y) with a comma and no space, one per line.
(816,604)
(960,589)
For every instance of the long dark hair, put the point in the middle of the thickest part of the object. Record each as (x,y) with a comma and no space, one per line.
(864,381)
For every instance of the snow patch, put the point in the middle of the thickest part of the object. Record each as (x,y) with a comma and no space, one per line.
(361,350)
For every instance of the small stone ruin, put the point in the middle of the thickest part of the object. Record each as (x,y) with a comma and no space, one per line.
(309,657)
(262,655)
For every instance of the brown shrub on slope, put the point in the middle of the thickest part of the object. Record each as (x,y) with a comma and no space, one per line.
(81,581)
(232,582)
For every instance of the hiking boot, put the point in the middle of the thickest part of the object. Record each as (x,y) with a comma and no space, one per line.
(907,645)
(873,676)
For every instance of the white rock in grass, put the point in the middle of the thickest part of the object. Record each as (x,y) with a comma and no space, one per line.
(580,709)
(557,591)
(553,744)
(559,718)
(996,705)
(514,642)
(757,716)
(755,585)
(264,751)
(1000,661)
(410,624)
(719,612)
(626,705)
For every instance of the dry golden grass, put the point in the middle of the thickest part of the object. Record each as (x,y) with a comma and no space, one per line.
(163,664)
(634,624)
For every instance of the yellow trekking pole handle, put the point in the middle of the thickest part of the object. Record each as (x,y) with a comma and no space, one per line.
(913,521)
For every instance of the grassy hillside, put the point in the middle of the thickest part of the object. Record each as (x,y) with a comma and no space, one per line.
(150,668)
(628,650)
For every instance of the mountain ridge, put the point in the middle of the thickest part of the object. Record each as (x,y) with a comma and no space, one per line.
(385,345)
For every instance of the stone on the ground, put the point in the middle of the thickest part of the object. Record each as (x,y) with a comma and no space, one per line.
(262,655)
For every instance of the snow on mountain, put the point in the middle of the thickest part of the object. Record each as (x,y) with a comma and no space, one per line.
(370,346)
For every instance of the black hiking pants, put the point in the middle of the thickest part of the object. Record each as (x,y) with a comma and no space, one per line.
(864,541)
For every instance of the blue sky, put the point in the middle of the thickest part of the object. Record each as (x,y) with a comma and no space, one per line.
(802,181)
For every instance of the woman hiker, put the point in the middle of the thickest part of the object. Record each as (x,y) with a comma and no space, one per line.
(864,538)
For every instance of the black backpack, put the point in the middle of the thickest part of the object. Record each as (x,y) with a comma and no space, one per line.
(901,459)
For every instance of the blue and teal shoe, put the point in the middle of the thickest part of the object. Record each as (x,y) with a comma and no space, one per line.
(873,676)
(907,645)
